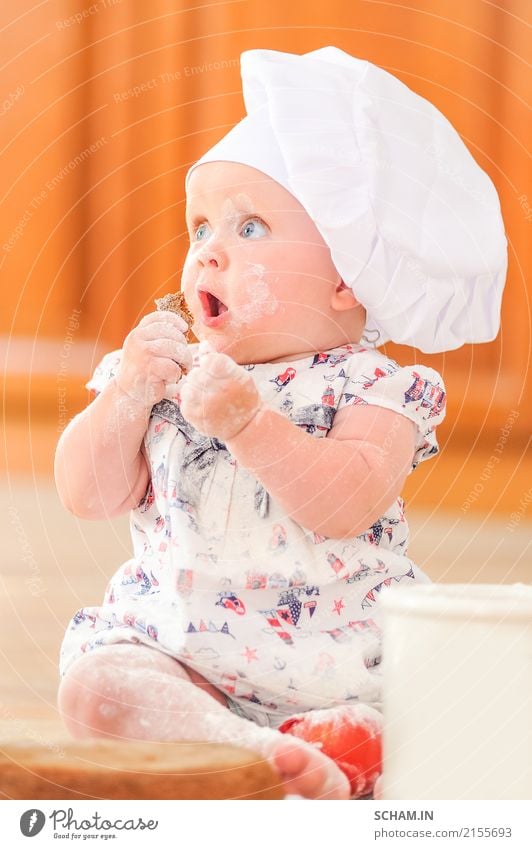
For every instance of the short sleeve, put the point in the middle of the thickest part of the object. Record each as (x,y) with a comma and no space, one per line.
(105,371)
(415,391)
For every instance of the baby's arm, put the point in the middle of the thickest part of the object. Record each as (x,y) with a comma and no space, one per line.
(100,469)
(337,486)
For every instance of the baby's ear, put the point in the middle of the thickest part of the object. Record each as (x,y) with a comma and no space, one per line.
(343,298)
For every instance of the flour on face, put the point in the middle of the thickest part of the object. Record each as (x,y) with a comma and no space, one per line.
(260,300)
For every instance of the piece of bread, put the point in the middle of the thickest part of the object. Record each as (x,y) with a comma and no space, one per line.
(175,302)
(105,769)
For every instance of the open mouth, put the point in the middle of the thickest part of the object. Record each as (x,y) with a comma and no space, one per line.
(212,306)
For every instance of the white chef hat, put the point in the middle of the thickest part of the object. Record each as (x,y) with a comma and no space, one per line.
(413,224)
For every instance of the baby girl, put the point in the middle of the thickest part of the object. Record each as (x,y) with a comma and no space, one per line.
(263,466)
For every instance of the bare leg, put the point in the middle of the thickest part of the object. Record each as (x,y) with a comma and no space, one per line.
(132,692)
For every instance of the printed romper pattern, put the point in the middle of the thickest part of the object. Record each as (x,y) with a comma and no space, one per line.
(277,617)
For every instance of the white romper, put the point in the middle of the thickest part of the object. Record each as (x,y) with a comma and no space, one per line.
(280,619)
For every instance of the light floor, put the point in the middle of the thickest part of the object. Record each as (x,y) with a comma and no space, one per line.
(52,564)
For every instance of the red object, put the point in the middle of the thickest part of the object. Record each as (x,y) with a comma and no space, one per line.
(350,736)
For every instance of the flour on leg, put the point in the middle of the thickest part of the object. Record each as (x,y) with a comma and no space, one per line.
(134,692)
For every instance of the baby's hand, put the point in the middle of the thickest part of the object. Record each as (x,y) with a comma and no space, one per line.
(218,397)
(152,354)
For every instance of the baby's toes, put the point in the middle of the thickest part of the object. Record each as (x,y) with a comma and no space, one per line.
(306,772)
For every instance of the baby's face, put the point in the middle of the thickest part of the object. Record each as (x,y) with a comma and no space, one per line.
(258,276)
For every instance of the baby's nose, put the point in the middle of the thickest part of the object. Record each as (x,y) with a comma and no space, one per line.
(210,257)
(209,260)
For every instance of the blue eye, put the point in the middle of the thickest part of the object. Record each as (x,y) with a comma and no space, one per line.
(253,227)
(198,230)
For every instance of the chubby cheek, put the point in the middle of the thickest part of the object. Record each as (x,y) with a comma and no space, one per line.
(257,297)
(312,262)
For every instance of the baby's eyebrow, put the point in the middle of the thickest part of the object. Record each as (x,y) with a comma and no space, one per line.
(193,215)
(193,218)
(247,213)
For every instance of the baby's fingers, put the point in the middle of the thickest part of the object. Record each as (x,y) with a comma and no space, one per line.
(168,348)
(165,369)
(202,381)
(164,317)
(193,392)
(219,366)
(162,330)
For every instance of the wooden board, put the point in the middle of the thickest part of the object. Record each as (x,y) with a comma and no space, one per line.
(101,769)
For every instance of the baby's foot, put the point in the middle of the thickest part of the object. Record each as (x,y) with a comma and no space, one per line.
(305,771)
(153,698)
(348,734)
